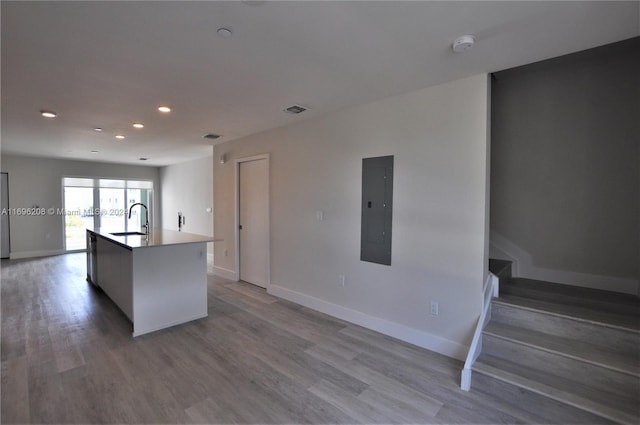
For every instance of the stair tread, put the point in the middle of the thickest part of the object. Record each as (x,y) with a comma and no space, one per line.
(579,350)
(597,299)
(575,291)
(551,410)
(620,321)
(598,402)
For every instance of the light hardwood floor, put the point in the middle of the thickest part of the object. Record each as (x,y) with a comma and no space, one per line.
(68,357)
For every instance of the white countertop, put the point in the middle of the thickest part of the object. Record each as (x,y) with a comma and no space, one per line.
(157,237)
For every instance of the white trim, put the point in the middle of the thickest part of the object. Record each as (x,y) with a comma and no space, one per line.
(167,325)
(266,157)
(209,258)
(225,273)
(405,333)
(491,289)
(523,267)
(33,254)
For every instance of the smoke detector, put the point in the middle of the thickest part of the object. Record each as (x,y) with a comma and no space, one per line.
(463,43)
(224,32)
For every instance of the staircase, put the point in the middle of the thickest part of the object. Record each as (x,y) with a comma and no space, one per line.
(567,354)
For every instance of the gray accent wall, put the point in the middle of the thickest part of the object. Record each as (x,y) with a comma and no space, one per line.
(565,160)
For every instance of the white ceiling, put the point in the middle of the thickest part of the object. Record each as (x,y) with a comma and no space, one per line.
(108,64)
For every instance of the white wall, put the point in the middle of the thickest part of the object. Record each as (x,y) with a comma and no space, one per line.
(38,181)
(188,188)
(564,175)
(439,139)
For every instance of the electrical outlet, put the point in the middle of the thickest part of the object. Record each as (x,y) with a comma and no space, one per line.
(226,252)
(434,308)
(342,280)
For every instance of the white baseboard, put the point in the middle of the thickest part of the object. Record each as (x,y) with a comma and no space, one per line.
(523,266)
(33,254)
(225,273)
(395,330)
(168,325)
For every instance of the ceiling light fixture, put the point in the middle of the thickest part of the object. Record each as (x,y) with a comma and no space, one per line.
(225,32)
(143,159)
(98,129)
(463,43)
(164,109)
(94,151)
(138,125)
(211,136)
(120,136)
(48,114)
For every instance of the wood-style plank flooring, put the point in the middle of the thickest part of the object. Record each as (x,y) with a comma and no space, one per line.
(68,357)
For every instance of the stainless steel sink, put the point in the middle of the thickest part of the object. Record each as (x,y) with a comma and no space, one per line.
(127,233)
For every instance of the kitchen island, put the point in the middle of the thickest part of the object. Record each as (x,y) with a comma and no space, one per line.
(158,281)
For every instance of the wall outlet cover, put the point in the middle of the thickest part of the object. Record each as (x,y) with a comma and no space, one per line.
(434,308)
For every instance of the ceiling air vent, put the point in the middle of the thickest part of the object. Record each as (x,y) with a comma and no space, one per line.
(211,136)
(295,109)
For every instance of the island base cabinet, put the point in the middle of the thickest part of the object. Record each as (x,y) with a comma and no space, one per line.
(170,286)
(115,274)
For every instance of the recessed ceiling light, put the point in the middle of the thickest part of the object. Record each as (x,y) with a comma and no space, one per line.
(211,136)
(164,109)
(295,109)
(94,151)
(138,125)
(143,159)
(119,136)
(48,114)
(224,32)
(98,129)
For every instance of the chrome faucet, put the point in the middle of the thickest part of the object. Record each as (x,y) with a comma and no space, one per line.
(146,225)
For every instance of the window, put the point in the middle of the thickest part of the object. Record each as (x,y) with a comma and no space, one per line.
(91,203)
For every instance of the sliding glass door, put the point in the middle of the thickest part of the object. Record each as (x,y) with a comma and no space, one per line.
(78,204)
(103,203)
(112,208)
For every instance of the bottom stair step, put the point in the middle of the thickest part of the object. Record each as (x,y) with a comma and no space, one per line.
(552,411)
(588,409)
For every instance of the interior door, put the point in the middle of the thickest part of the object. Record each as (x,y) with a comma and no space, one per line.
(254,221)
(4,229)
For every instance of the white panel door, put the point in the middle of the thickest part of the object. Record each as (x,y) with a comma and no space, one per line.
(254,221)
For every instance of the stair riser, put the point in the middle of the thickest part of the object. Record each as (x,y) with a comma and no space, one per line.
(617,340)
(624,385)
(555,411)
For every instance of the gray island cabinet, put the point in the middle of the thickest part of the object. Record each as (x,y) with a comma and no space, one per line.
(158,281)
